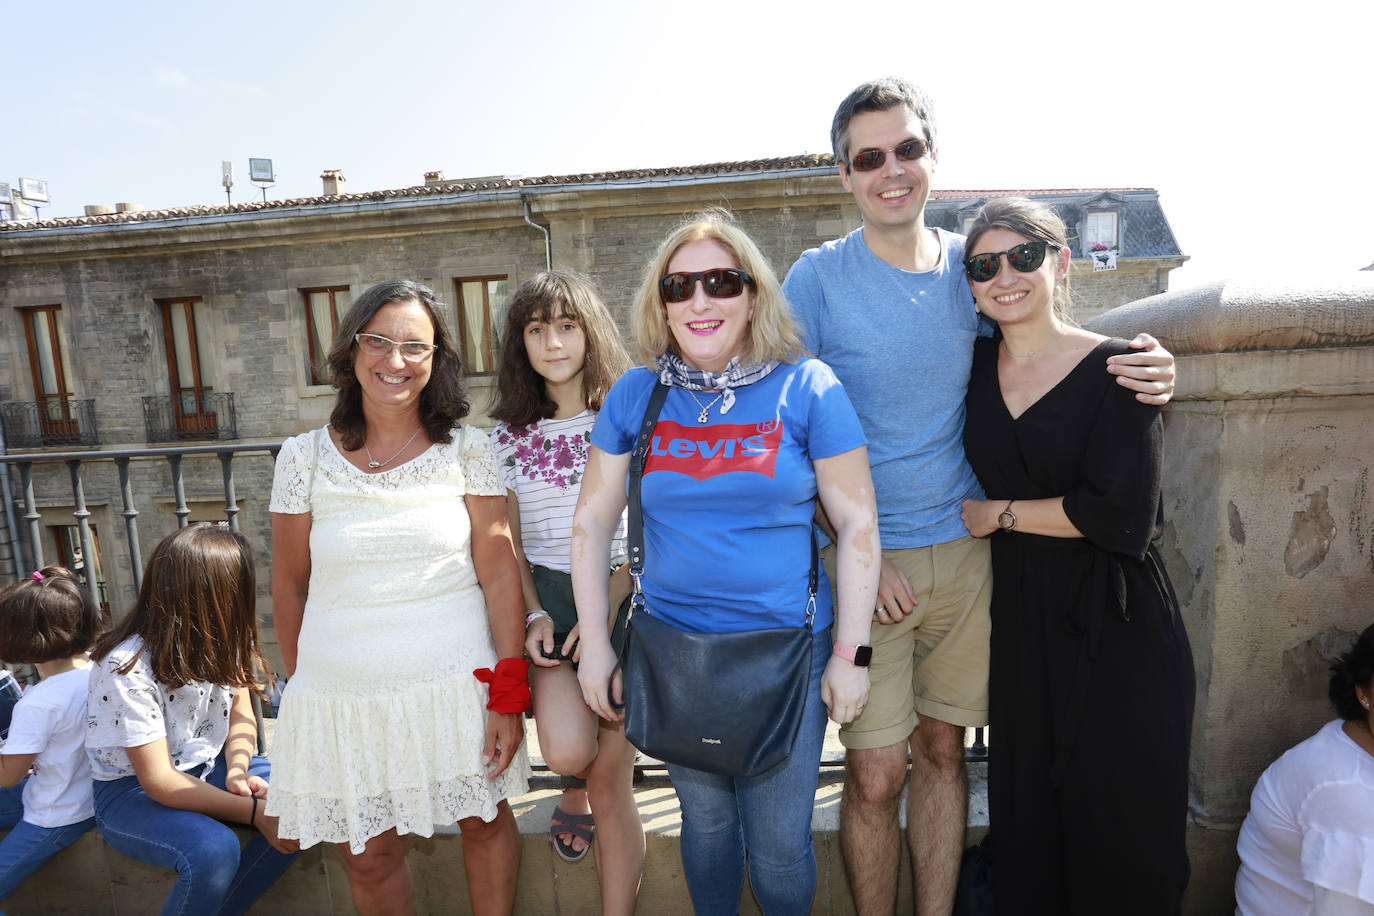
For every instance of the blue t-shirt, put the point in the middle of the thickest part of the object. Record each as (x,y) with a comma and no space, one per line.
(728,505)
(901,342)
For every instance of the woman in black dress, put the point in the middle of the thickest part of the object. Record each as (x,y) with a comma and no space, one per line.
(1091,674)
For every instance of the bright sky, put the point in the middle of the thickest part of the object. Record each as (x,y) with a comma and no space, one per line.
(1255,127)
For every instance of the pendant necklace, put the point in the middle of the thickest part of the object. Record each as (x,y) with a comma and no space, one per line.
(374,463)
(1029,353)
(702,418)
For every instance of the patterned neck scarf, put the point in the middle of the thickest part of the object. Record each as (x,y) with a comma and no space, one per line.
(674,372)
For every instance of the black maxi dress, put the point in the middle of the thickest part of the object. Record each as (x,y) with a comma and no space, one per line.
(1091,682)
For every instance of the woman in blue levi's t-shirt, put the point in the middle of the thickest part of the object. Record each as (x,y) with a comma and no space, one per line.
(750,435)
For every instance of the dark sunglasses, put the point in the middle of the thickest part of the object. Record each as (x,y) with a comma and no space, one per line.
(718,283)
(866,160)
(1026,257)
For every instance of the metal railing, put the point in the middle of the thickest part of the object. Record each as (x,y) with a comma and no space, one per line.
(49,422)
(191,414)
(77,462)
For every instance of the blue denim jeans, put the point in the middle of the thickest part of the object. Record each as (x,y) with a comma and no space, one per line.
(213,874)
(766,818)
(28,846)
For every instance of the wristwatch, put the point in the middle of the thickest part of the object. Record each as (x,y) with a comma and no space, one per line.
(859,655)
(1007,519)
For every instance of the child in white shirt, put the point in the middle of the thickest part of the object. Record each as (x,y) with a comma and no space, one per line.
(48,620)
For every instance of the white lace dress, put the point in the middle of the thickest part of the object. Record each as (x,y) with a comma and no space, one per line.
(383,724)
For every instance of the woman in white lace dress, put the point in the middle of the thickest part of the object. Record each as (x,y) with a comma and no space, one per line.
(394,583)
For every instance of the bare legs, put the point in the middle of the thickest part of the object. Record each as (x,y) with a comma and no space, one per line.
(380,878)
(575,742)
(491,861)
(937,815)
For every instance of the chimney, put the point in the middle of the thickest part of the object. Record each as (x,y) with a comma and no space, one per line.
(433,178)
(98,210)
(127,208)
(333,182)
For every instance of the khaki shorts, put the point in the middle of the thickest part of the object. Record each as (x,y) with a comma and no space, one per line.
(934,661)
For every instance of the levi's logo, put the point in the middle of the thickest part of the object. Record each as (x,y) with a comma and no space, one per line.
(705,451)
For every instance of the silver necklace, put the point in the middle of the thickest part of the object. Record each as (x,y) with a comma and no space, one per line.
(701,417)
(1029,353)
(374,463)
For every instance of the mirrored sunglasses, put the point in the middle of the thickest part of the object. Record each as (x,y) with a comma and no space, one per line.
(718,283)
(866,160)
(411,350)
(1026,257)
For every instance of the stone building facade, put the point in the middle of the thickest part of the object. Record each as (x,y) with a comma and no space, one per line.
(196,325)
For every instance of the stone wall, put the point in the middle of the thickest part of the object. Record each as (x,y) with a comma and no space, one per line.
(1270,523)
(1135,278)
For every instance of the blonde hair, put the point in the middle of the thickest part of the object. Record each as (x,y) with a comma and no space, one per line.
(773,332)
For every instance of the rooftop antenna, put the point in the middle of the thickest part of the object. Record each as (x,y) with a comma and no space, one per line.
(227,170)
(261,174)
(34,191)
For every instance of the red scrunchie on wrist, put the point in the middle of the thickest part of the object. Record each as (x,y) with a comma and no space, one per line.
(509,690)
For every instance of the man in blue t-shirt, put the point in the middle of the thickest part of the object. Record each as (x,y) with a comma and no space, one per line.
(889,309)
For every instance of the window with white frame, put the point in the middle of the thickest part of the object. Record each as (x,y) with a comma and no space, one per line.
(1100,228)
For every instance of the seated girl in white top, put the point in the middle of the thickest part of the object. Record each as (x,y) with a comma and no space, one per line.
(47,620)
(1307,845)
(170,729)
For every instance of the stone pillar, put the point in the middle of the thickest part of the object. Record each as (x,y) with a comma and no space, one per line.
(1269,524)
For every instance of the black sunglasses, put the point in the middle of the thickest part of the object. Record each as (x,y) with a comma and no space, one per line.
(1026,257)
(866,160)
(718,283)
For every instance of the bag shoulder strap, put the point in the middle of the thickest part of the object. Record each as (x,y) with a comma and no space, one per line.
(635,525)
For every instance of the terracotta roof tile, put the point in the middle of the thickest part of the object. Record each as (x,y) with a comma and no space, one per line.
(434,190)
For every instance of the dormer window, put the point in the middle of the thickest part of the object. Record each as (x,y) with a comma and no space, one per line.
(1100,228)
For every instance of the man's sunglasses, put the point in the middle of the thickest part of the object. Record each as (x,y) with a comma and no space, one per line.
(718,283)
(1026,257)
(866,160)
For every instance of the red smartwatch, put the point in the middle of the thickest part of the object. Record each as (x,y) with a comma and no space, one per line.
(859,655)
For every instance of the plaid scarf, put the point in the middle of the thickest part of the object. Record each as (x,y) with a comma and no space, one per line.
(672,371)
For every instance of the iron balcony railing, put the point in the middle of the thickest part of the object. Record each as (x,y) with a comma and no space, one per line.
(50,422)
(190,414)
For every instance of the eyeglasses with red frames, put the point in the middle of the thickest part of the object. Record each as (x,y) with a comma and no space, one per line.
(718,283)
(866,160)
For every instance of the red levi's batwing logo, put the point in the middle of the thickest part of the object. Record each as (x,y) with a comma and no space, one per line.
(705,451)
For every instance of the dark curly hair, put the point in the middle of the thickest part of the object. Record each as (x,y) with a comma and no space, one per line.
(521,398)
(47,616)
(1353,669)
(442,403)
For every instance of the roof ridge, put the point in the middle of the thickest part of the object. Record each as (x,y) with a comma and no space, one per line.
(805,160)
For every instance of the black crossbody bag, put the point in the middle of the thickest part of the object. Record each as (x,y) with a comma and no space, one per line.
(727,703)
